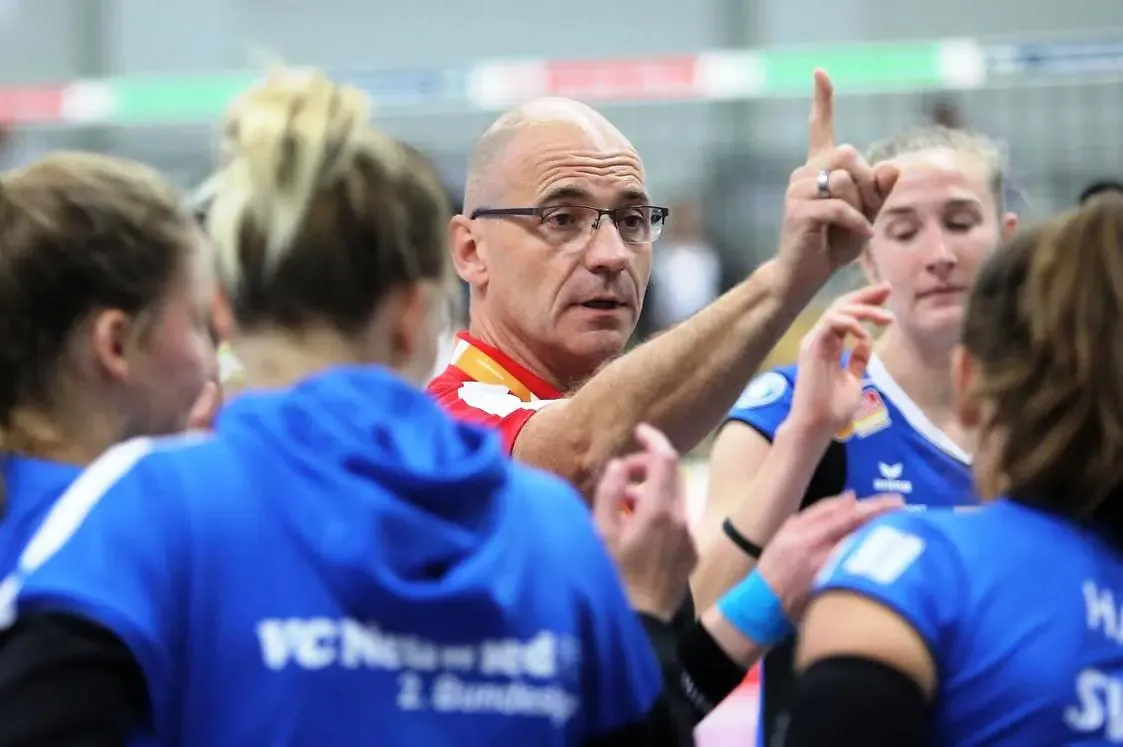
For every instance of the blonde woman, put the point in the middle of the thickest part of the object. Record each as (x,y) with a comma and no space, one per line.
(854,414)
(338,562)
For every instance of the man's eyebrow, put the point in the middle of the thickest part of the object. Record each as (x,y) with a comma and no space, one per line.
(565,193)
(633,196)
(629,196)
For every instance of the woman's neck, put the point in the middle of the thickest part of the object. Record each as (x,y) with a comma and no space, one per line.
(79,439)
(925,378)
(924,375)
(277,359)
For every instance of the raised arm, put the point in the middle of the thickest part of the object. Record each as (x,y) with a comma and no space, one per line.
(685,380)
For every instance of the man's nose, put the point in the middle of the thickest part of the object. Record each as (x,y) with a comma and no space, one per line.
(607,252)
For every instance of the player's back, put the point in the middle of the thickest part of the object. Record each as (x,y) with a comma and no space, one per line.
(343,563)
(1038,656)
(1020,611)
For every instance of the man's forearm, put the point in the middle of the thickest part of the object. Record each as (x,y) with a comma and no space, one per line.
(682,382)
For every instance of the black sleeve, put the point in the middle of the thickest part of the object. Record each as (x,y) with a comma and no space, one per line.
(670,721)
(697,675)
(707,675)
(778,667)
(848,701)
(67,682)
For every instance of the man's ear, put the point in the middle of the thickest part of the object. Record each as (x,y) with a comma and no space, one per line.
(469,253)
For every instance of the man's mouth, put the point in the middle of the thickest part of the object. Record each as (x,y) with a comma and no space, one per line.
(603,304)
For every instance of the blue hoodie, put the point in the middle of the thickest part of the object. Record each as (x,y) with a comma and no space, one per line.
(339,563)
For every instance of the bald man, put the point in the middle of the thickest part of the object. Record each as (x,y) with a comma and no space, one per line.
(555,244)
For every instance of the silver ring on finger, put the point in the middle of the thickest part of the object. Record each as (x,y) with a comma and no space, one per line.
(824,184)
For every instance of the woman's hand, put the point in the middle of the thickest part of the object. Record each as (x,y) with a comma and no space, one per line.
(827,393)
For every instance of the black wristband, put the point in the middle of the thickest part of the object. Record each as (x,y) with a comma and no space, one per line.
(751,549)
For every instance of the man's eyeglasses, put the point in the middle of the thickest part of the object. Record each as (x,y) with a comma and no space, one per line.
(637,224)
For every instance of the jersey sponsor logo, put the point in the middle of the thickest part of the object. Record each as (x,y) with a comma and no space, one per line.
(872,416)
(890,480)
(763,390)
(529,677)
(884,555)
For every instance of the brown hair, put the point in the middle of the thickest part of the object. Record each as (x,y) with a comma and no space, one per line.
(314,214)
(1042,322)
(78,233)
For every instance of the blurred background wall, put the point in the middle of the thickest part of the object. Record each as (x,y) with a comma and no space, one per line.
(722,130)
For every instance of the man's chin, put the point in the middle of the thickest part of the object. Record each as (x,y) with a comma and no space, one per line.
(599,345)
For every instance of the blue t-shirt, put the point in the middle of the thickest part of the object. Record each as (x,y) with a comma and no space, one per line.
(341,563)
(890,446)
(1019,610)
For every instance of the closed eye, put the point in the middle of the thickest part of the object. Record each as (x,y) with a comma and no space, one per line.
(961,223)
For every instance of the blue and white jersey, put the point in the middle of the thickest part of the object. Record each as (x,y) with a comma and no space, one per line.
(889,447)
(1020,611)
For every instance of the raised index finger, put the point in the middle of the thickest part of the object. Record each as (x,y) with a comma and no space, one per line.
(820,125)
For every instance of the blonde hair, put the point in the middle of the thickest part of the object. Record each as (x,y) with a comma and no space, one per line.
(314,214)
(937,137)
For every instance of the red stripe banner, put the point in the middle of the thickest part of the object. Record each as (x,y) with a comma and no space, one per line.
(635,80)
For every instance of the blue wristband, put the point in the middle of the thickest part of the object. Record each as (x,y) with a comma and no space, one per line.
(756,612)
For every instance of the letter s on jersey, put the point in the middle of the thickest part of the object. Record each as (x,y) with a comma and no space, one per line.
(1100,707)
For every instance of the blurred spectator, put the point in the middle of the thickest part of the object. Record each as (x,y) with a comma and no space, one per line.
(686,270)
(1099,187)
(946,111)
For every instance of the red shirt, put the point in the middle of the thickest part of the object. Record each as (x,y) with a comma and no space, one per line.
(482,385)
